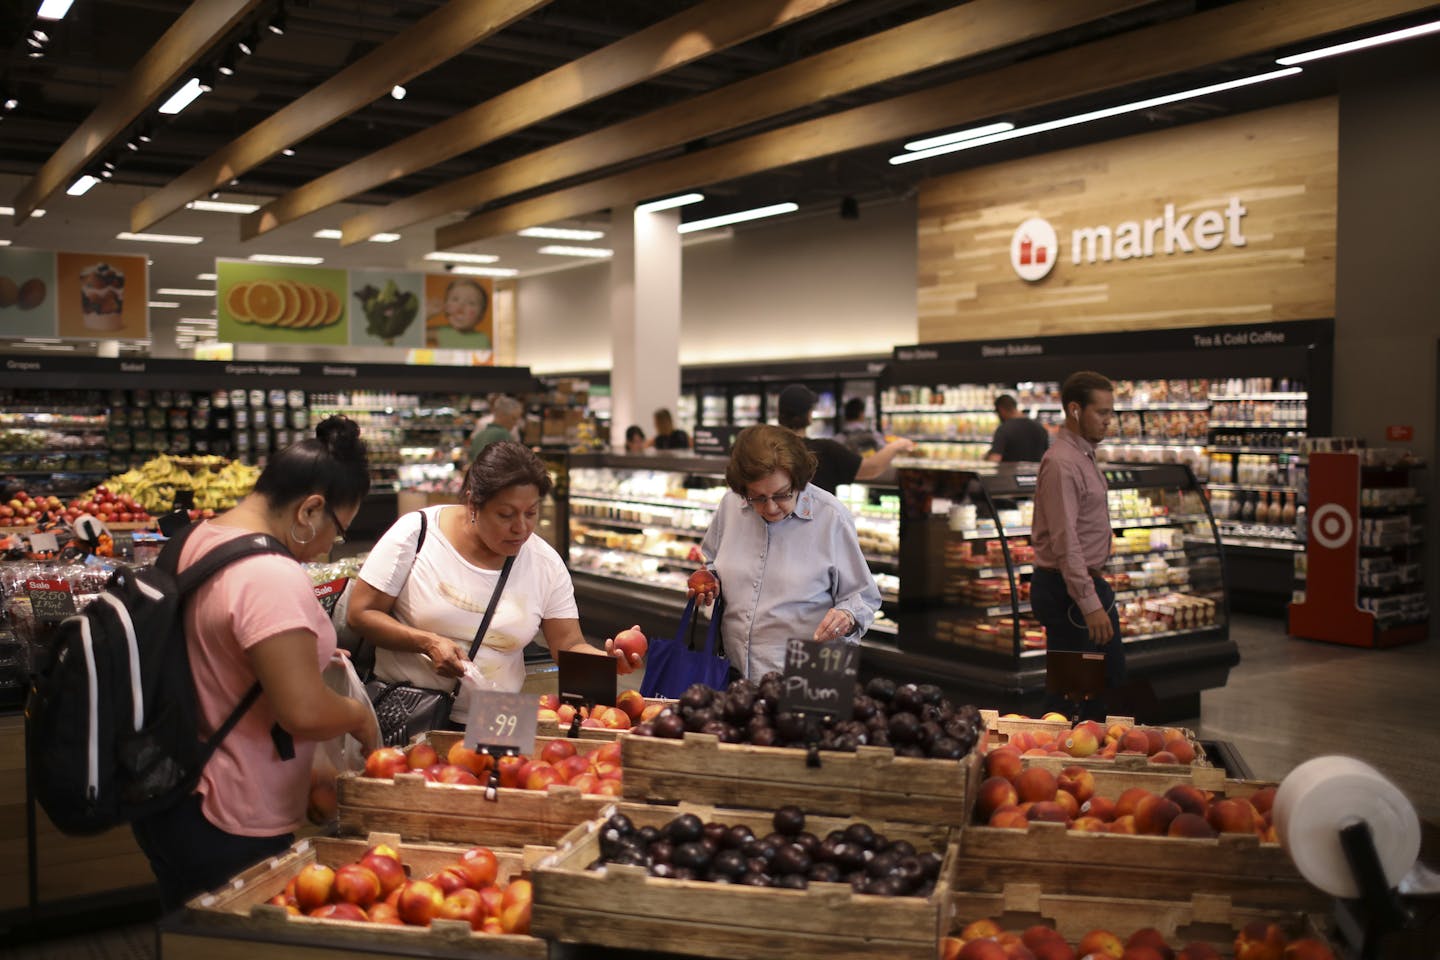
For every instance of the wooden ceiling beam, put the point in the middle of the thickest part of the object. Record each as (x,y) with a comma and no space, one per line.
(946,37)
(688,36)
(441,35)
(189,38)
(1243,29)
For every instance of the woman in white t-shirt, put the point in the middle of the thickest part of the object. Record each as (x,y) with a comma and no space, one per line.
(421,611)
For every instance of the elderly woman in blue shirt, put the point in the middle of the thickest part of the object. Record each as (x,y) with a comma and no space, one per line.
(785,554)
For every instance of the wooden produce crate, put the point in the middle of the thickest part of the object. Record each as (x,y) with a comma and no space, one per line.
(240,907)
(871,783)
(1238,866)
(549,728)
(1203,918)
(623,906)
(1003,728)
(419,810)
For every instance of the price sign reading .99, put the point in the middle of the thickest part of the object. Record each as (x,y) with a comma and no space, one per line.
(820,677)
(500,722)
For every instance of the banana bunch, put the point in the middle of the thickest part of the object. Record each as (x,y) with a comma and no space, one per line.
(216,482)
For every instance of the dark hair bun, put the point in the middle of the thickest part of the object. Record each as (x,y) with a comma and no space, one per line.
(341,436)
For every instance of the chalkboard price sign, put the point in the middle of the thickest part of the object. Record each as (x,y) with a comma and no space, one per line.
(820,677)
(50,600)
(500,722)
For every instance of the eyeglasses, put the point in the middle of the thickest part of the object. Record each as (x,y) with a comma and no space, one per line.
(779,499)
(338,525)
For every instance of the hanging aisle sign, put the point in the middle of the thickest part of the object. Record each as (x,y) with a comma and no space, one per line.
(74,296)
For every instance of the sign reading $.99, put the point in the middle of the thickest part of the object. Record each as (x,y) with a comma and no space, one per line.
(501,721)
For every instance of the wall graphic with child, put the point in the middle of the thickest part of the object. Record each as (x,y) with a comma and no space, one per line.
(459,314)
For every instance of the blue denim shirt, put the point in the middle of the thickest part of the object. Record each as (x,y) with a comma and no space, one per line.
(779,579)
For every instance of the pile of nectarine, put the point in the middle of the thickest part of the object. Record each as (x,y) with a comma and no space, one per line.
(984,940)
(377,888)
(1091,739)
(1012,795)
(630,708)
(559,763)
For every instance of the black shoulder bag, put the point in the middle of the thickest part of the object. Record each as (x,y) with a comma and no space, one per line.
(405,710)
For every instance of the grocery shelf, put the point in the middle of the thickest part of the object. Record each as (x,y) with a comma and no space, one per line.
(581,518)
(1301,395)
(1294,450)
(1246,487)
(641,501)
(888,560)
(680,561)
(1256,424)
(1141,442)
(943,438)
(1167,521)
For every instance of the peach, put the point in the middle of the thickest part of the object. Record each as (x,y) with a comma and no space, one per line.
(1009,819)
(493,898)
(1125,824)
(1153,815)
(313,886)
(1154,741)
(452,774)
(1308,948)
(493,926)
(565,713)
(611,788)
(1089,825)
(384,763)
(1163,756)
(651,711)
(509,770)
(1263,799)
(572,767)
(1053,950)
(557,750)
(515,907)
(1144,953)
(1048,811)
(1036,752)
(1078,782)
(1080,742)
(982,949)
(338,911)
(586,783)
(1022,741)
(1126,802)
(547,716)
(1038,934)
(614,718)
(549,701)
(1068,803)
(1101,942)
(1260,941)
(611,751)
(993,794)
(385,913)
(462,756)
(1189,799)
(388,870)
(1003,762)
(1043,738)
(357,884)
(1181,748)
(543,777)
(1198,951)
(1036,784)
(449,879)
(1231,816)
(464,904)
(1191,825)
(480,866)
(950,948)
(976,929)
(419,902)
(1101,808)
(1054,717)
(1116,732)
(1152,938)
(421,755)
(1134,741)
(632,702)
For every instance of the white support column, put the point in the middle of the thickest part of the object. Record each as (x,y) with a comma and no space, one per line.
(645,319)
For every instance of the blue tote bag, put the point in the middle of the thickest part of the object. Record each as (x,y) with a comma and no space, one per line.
(671,666)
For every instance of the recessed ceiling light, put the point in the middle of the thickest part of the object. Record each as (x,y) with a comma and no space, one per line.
(163,304)
(1375,41)
(383,237)
(158,237)
(185,292)
(470,271)
(4,243)
(287,152)
(594,253)
(222,206)
(37,214)
(740,216)
(53,9)
(559,233)
(183,97)
(206,276)
(12,103)
(397,92)
(82,186)
(669,203)
(107,173)
(284,258)
(461,257)
(327,234)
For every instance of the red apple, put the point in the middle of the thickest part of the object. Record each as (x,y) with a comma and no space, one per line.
(542,777)
(493,898)
(557,750)
(313,886)
(338,911)
(464,904)
(384,763)
(387,870)
(449,879)
(549,701)
(357,884)
(701,581)
(632,702)
(572,767)
(450,773)
(421,755)
(386,913)
(515,907)
(509,768)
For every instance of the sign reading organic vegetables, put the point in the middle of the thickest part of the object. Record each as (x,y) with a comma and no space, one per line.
(269,303)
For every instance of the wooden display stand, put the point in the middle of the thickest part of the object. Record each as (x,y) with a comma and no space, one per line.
(1331,609)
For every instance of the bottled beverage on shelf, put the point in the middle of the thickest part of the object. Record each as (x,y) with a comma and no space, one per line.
(1287,515)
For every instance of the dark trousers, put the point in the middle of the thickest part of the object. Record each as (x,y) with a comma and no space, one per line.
(190,855)
(1065,629)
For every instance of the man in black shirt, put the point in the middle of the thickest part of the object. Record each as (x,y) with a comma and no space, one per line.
(1018,438)
(835,462)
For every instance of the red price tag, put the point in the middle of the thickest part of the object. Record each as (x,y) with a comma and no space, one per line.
(1400,433)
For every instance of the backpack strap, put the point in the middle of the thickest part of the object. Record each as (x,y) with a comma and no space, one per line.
(250,545)
(420,540)
(169,559)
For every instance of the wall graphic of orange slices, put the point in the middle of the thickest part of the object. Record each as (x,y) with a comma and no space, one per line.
(265,302)
(235,303)
(305,308)
(328,309)
(293,304)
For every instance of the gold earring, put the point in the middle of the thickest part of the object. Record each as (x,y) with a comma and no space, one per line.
(305,540)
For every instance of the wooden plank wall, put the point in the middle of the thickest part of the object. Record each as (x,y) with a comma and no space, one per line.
(1280,162)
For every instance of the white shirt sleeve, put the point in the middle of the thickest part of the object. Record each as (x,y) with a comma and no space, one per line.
(390,560)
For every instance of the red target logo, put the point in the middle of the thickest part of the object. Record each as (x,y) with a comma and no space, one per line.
(1332,526)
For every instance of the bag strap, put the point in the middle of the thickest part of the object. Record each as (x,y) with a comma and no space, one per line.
(489,611)
(169,558)
(250,545)
(712,636)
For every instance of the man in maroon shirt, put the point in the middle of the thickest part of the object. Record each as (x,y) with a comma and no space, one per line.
(1071,533)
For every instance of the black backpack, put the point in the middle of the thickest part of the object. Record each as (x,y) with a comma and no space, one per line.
(113,720)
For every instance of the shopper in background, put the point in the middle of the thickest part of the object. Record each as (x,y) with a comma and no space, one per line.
(667,435)
(257,620)
(422,609)
(634,439)
(1071,534)
(785,554)
(505,413)
(1017,438)
(835,462)
(856,433)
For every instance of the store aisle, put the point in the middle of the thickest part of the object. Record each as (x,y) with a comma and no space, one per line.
(1290,700)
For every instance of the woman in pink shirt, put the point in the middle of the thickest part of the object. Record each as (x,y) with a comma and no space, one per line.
(258,620)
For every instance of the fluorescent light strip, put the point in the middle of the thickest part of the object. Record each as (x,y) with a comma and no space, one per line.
(670,203)
(484,271)
(1353,45)
(41,340)
(163,304)
(158,238)
(558,233)
(53,9)
(327,234)
(1092,115)
(37,214)
(959,135)
(461,257)
(222,206)
(183,97)
(383,237)
(4,243)
(284,258)
(594,253)
(82,186)
(758,213)
(184,292)
(206,276)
